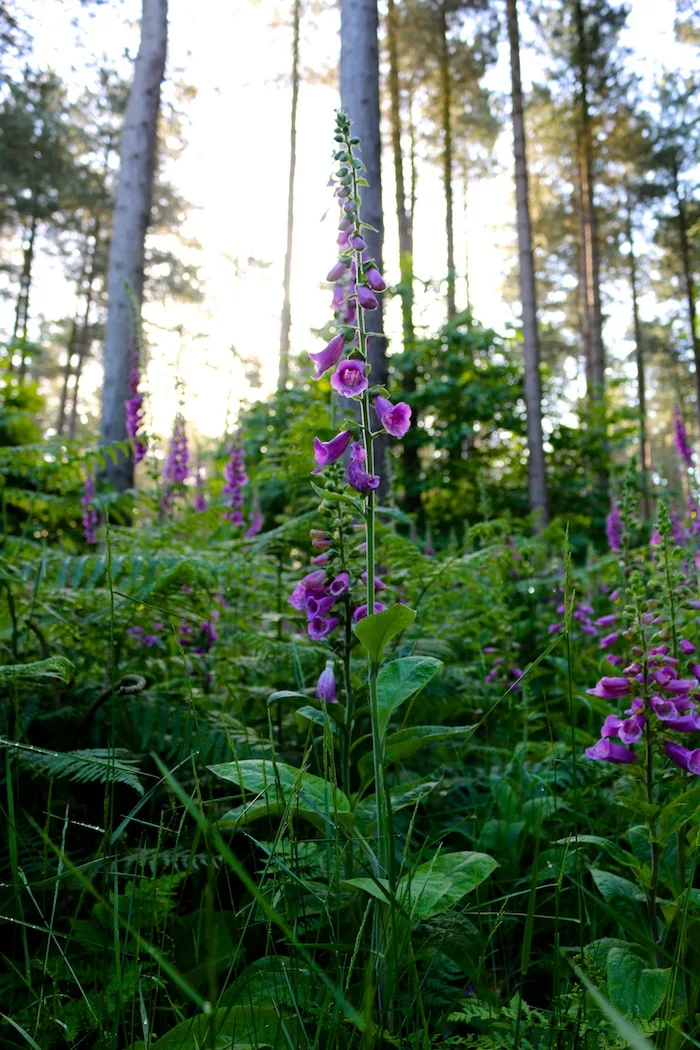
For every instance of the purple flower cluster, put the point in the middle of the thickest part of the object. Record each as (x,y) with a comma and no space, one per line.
(672,708)
(503,669)
(200,499)
(357,282)
(255,520)
(236,478)
(89,513)
(135,411)
(316,597)
(614,529)
(177,461)
(146,638)
(680,436)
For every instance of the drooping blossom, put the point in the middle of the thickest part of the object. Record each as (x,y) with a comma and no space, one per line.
(366,297)
(375,279)
(684,757)
(338,271)
(318,627)
(396,419)
(680,437)
(606,750)
(255,520)
(326,452)
(89,513)
(611,688)
(358,477)
(339,585)
(613,529)
(349,379)
(361,611)
(134,411)
(236,479)
(325,687)
(329,356)
(177,461)
(200,499)
(311,582)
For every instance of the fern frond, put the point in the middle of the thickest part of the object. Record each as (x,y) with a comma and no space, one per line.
(94,765)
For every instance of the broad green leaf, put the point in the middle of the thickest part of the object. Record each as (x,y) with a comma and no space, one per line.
(619,854)
(440,884)
(632,1037)
(235,1028)
(401,796)
(454,935)
(621,894)
(307,714)
(378,888)
(685,807)
(377,630)
(274,786)
(632,988)
(406,742)
(54,669)
(400,679)
(287,694)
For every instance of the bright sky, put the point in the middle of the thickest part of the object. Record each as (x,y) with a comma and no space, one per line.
(234,173)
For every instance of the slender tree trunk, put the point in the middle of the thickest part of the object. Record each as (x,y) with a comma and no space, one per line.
(688,283)
(446,88)
(537,477)
(67,372)
(589,223)
(83,346)
(405,246)
(287,303)
(359,96)
(131,217)
(466,238)
(644,464)
(584,316)
(22,307)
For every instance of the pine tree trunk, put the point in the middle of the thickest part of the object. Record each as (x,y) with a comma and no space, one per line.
(589,224)
(67,372)
(131,217)
(537,477)
(405,246)
(446,85)
(688,283)
(359,96)
(287,302)
(466,237)
(644,465)
(22,308)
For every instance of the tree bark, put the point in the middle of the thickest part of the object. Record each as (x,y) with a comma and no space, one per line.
(359,96)
(644,465)
(537,477)
(287,303)
(446,84)
(589,224)
(404,225)
(22,308)
(688,283)
(466,237)
(131,217)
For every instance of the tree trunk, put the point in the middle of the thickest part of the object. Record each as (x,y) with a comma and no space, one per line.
(466,237)
(589,224)
(287,303)
(537,477)
(131,217)
(83,342)
(22,308)
(67,372)
(359,96)
(689,284)
(644,465)
(405,239)
(446,82)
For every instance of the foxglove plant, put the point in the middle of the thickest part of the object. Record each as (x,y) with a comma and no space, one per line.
(236,479)
(90,518)
(200,499)
(134,409)
(177,461)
